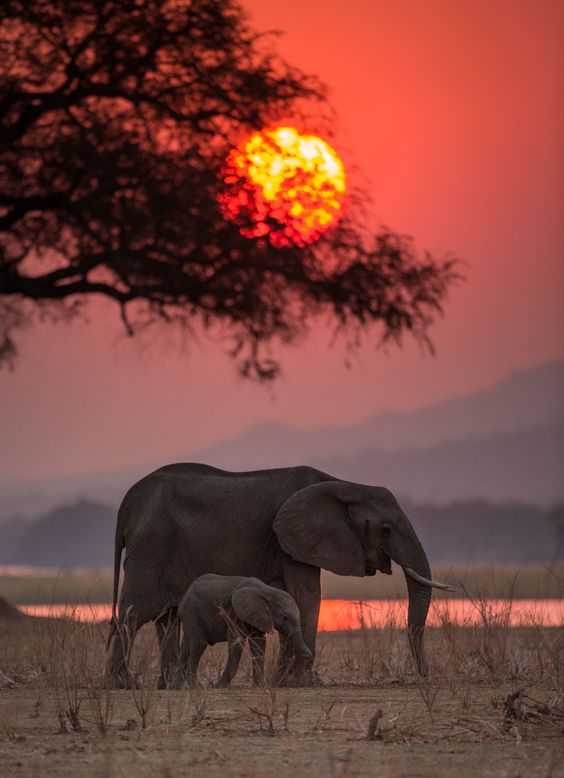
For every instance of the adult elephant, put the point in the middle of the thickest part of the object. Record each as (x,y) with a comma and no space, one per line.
(279,525)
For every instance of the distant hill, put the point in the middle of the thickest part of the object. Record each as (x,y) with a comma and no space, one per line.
(524,466)
(81,534)
(477,531)
(499,444)
(526,400)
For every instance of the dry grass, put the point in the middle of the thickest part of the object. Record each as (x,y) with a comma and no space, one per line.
(23,587)
(518,582)
(493,704)
(501,581)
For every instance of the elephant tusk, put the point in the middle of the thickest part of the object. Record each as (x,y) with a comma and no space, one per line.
(427,582)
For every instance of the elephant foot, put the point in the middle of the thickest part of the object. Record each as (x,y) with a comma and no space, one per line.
(315,679)
(124,681)
(191,681)
(221,684)
(306,677)
(175,682)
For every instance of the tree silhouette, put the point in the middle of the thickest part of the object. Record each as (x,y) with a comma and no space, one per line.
(115,120)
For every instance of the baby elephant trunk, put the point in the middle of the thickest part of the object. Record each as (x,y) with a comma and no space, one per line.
(301,651)
(293,634)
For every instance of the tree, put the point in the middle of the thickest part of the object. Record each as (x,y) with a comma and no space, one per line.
(115,120)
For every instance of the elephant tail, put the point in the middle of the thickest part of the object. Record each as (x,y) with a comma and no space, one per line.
(118,548)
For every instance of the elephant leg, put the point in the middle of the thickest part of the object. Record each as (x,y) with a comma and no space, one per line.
(257,644)
(303,582)
(309,616)
(168,632)
(133,612)
(183,665)
(195,650)
(234,651)
(126,629)
(285,667)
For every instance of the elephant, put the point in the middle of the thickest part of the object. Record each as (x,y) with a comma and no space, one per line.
(279,525)
(218,607)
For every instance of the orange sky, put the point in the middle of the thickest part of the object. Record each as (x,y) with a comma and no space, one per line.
(454,112)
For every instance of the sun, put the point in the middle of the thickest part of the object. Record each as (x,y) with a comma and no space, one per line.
(283,186)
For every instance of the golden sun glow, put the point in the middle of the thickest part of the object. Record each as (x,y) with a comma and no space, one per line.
(283,186)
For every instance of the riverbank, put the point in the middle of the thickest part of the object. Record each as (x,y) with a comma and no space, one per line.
(23,586)
(492,705)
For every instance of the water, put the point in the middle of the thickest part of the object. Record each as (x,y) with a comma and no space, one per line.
(350,614)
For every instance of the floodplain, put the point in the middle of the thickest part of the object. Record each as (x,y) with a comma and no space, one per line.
(492,704)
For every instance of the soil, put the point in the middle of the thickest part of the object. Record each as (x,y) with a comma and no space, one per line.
(313,732)
(8,612)
(373,716)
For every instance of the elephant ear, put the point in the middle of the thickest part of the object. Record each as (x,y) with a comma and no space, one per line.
(251,607)
(313,526)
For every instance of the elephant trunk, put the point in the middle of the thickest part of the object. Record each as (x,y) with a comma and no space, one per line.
(419,601)
(419,595)
(300,649)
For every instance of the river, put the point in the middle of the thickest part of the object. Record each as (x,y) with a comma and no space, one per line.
(350,614)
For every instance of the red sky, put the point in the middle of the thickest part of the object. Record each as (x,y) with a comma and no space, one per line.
(454,112)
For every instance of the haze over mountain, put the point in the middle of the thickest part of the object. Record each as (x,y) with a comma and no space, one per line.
(502,443)
(81,534)
(523,466)
(525,400)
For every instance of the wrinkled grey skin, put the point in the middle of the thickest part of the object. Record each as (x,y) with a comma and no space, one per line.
(280,526)
(251,609)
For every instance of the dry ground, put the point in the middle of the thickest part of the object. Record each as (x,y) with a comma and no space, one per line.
(316,733)
(58,717)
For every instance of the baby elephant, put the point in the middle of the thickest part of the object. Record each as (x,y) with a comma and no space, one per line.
(252,609)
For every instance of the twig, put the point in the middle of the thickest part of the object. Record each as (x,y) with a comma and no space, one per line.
(373,731)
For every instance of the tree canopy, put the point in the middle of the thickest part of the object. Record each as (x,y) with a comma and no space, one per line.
(116,117)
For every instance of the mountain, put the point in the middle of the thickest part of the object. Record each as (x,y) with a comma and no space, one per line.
(523,466)
(475,531)
(527,399)
(501,443)
(81,534)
